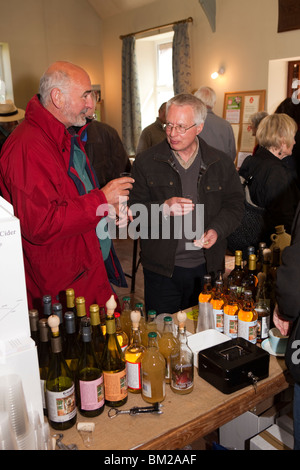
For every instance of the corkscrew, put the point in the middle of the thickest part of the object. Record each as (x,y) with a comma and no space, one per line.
(155,408)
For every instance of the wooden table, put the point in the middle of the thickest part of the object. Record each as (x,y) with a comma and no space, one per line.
(185,418)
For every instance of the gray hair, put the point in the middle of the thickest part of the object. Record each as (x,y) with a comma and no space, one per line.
(207,95)
(57,79)
(187,99)
(256,118)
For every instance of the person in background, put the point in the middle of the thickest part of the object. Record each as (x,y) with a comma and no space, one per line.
(106,152)
(255,120)
(177,174)
(287,310)
(154,133)
(10,116)
(216,132)
(46,175)
(270,185)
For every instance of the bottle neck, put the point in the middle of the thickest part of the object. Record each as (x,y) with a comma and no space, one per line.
(136,335)
(110,326)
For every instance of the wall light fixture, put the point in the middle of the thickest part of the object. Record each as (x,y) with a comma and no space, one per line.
(216,74)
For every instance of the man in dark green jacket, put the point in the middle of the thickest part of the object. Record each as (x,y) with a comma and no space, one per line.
(184,176)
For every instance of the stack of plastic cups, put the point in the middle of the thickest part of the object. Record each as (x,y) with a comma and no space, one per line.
(12,401)
(7,435)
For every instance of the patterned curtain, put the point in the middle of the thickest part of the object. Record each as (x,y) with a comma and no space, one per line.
(131,108)
(182,72)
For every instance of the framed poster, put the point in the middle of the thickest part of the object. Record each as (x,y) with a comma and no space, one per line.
(238,108)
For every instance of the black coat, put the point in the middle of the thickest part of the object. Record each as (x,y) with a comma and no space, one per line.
(272,188)
(219,190)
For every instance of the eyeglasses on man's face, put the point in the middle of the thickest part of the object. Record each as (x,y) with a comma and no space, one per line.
(168,127)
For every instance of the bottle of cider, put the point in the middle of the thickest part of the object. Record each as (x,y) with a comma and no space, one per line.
(182,361)
(113,362)
(218,302)
(231,313)
(121,335)
(89,377)
(133,356)
(153,372)
(167,343)
(247,319)
(60,388)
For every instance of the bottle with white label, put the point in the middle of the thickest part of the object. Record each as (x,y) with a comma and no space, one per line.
(134,354)
(247,319)
(231,308)
(218,302)
(60,388)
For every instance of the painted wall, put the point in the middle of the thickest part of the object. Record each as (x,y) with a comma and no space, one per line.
(40,32)
(246,39)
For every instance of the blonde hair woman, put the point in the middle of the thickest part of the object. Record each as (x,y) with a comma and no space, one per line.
(269,181)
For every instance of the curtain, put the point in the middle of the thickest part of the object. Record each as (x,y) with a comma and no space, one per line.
(131,108)
(182,74)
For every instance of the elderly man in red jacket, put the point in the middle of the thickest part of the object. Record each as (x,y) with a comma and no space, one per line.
(46,176)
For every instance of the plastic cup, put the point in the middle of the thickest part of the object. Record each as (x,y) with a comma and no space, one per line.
(12,400)
(7,435)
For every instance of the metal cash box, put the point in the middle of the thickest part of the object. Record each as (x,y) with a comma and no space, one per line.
(233,365)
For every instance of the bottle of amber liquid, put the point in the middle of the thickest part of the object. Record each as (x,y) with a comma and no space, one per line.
(125,316)
(133,355)
(237,273)
(218,302)
(182,361)
(121,335)
(143,327)
(153,372)
(113,362)
(206,294)
(247,319)
(167,344)
(231,313)
(98,339)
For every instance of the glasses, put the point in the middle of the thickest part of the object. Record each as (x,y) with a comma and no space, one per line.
(168,127)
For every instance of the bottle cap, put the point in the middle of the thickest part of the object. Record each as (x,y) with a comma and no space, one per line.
(54,322)
(135,317)
(111,305)
(152,334)
(70,292)
(94,308)
(86,333)
(47,299)
(181,317)
(168,319)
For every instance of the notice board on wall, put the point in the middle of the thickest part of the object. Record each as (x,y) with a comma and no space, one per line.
(238,108)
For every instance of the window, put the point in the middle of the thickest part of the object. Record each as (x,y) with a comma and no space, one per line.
(154,63)
(5,70)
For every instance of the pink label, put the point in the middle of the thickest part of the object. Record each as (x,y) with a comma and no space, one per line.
(91,394)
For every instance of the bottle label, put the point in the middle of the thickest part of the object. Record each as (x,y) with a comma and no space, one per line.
(115,385)
(134,371)
(182,377)
(231,325)
(248,330)
(91,394)
(61,405)
(263,327)
(147,390)
(218,315)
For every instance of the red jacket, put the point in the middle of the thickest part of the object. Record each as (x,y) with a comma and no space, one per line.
(58,226)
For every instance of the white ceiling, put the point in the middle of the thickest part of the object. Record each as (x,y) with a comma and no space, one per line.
(108,8)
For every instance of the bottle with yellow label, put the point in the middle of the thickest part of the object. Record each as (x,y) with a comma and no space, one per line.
(247,319)
(231,313)
(218,303)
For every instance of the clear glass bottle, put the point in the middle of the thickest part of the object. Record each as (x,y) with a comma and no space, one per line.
(182,361)
(60,388)
(90,389)
(72,350)
(98,338)
(151,323)
(218,302)
(263,310)
(113,362)
(167,343)
(34,326)
(44,352)
(140,307)
(231,313)
(153,372)
(125,316)
(121,335)
(247,319)
(134,354)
